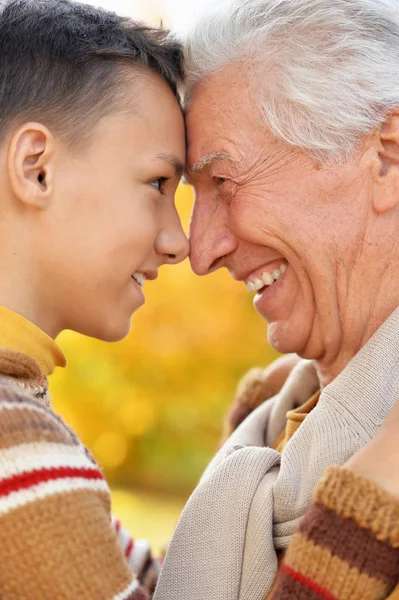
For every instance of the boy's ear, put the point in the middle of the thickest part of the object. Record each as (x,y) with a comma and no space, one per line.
(30,164)
(386,165)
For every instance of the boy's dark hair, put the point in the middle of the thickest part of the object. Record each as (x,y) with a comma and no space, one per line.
(66,63)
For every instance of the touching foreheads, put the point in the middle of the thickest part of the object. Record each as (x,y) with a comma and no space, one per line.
(324,72)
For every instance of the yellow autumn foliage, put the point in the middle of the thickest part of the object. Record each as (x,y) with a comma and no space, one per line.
(151,407)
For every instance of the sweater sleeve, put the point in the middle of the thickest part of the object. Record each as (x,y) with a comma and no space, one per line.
(56,535)
(138,556)
(347,545)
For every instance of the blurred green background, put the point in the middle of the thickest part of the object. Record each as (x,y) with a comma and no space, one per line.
(151,407)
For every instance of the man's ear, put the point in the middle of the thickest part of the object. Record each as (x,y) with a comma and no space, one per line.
(30,164)
(386,165)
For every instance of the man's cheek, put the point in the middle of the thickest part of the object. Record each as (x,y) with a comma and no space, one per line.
(251,223)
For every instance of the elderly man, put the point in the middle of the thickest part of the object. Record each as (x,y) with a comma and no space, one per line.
(293,133)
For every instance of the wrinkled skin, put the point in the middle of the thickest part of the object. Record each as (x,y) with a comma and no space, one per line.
(261,203)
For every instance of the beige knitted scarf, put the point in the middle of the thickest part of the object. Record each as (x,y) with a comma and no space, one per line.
(251,498)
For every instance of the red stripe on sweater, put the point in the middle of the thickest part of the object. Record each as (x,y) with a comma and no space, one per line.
(26,480)
(129,548)
(306,581)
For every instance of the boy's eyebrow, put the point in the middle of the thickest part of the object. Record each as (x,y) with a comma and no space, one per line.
(172,160)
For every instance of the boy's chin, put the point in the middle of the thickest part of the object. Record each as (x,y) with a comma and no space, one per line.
(109,331)
(112,336)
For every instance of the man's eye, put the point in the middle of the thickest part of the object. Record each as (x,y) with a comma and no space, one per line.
(220,180)
(159,184)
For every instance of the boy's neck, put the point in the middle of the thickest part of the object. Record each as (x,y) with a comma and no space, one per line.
(21,335)
(18,293)
(22,306)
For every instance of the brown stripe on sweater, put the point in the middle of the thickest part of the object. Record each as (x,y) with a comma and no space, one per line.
(11,391)
(331,572)
(18,393)
(23,426)
(138,594)
(21,366)
(149,574)
(356,546)
(354,497)
(66,542)
(15,394)
(287,587)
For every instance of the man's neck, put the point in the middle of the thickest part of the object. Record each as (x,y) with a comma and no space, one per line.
(360,324)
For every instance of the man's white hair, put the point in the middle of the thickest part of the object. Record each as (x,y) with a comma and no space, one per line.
(325,72)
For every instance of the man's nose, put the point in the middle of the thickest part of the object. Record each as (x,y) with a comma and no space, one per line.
(210,238)
(172,242)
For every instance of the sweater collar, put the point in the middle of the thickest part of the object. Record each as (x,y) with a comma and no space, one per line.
(19,334)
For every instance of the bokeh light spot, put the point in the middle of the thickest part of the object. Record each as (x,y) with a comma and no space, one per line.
(137,417)
(110,449)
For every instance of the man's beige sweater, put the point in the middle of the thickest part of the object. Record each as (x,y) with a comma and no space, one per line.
(251,498)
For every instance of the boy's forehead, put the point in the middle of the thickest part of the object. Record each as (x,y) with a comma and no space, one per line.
(172,160)
(156,140)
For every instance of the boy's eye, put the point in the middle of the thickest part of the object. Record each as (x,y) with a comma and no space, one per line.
(159,184)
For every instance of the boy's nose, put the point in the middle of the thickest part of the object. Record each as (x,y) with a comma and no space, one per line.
(173,245)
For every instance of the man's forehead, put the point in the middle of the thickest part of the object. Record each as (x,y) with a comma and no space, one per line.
(212,132)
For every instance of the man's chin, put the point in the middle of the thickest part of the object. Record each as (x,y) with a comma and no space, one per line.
(285,338)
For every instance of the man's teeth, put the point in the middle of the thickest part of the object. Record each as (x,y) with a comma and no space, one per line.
(266,279)
(140,278)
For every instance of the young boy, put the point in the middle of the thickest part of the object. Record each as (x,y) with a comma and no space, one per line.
(91,152)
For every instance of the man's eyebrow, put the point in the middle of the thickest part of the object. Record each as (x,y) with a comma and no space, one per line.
(172,160)
(208,159)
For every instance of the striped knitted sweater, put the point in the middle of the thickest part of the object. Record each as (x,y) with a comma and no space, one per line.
(347,545)
(57,539)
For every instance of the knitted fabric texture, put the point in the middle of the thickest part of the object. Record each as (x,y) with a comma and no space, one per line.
(257,385)
(57,540)
(346,547)
(251,498)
